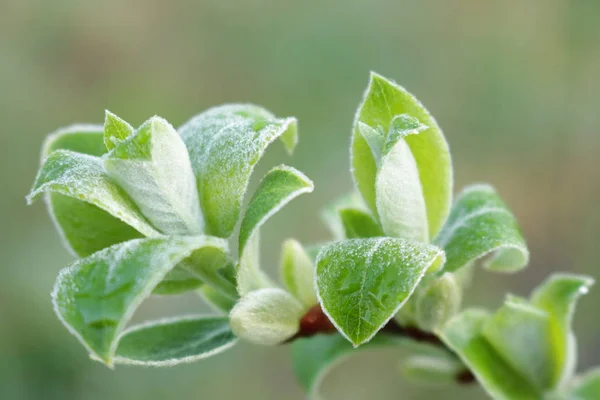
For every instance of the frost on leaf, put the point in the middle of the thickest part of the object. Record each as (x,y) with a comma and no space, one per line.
(224,144)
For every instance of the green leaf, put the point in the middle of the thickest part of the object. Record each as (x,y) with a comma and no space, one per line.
(224,144)
(398,191)
(362,283)
(383,101)
(96,296)
(115,130)
(331,213)
(431,369)
(587,387)
(481,225)
(174,341)
(558,296)
(359,224)
(216,299)
(520,334)
(177,281)
(280,186)
(153,167)
(298,272)
(437,301)
(266,316)
(314,357)
(83,227)
(463,334)
(82,177)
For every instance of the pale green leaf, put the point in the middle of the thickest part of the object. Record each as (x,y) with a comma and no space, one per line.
(520,334)
(297,272)
(431,369)
(359,224)
(362,283)
(331,213)
(96,296)
(480,225)
(115,130)
(174,341)
(82,177)
(280,186)
(216,299)
(83,227)
(558,296)
(382,102)
(266,316)
(437,301)
(587,387)
(463,335)
(153,167)
(398,191)
(314,357)
(224,144)
(374,138)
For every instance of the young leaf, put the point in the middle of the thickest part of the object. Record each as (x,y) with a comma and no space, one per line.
(331,213)
(480,224)
(83,227)
(383,101)
(266,316)
(359,224)
(362,283)
(82,177)
(587,387)
(153,167)
(520,334)
(558,296)
(280,186)
(96,296)
(216,299)
(174,341)
(398,191)
(463,335)
(224,144)
(437,302)
(115,130)
(298,272)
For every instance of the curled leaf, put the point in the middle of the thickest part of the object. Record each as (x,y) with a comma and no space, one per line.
(280,186)
(224,144)
(362,283)
(266,316)
(96,296)
(153,167)
(174,341)
(480,225)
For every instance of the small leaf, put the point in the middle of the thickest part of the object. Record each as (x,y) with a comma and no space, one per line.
(480,224)
(298,272)
(399,194)
(331,213)
(463,335)
(82,177)
(216,299)
(153,167)
(437,302)
(383,101)
(362,283)
(83,227)
(174,341)
(115,130)
(359,224)
(431,369)
(96,296)
(266,316)
(280,186)
(558,296)
(520,334)
(587,387)
(224,144)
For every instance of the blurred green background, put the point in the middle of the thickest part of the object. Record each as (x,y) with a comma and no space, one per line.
(514,85)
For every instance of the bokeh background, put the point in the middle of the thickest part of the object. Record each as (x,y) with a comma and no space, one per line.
(514,84)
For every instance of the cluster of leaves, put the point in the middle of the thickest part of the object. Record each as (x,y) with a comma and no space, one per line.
(153,210)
